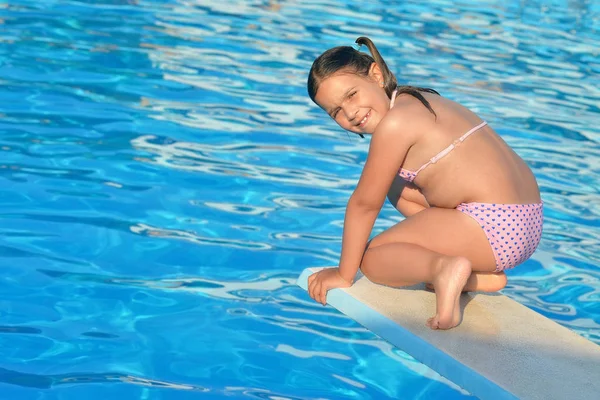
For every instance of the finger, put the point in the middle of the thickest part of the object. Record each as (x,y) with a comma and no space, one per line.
(311,288)
(316,285)
(323,295)
(311,282)
(317,292)
(311,279)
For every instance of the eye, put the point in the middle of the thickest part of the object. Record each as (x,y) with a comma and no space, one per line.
(351,94)
(334,114)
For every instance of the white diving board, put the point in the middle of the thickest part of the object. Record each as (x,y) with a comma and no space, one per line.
(501,350)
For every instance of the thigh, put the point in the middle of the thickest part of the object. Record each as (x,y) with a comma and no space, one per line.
(445,231)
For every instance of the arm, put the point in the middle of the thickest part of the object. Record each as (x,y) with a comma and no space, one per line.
(408,208)
(387,151)
(406,197)
(394,136)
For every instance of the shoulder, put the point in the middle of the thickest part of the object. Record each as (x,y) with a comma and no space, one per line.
(407,121)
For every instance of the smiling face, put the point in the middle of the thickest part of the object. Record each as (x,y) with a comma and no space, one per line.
(357,103)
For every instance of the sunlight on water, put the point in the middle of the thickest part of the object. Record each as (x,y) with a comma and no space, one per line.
(166,178)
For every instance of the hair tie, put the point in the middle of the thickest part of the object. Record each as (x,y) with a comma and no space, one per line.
(356,46)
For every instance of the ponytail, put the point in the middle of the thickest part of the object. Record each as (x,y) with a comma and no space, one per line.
(389,80)
(349,59)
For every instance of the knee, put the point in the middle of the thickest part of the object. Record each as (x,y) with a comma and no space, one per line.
(369,269)
(364,265)
(499,282)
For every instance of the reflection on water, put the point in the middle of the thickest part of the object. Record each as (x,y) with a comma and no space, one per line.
(166,178)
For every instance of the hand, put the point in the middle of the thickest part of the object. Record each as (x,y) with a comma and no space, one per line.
(319,283)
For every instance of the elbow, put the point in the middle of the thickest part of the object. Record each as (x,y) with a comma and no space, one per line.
(365,203)
(409,208)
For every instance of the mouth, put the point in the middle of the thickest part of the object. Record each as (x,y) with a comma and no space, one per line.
(363,121)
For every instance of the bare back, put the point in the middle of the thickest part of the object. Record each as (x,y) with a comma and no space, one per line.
(483,168)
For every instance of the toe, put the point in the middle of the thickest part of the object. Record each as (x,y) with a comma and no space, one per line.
(433,323)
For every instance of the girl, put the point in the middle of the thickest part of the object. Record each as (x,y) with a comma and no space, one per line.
(472,205)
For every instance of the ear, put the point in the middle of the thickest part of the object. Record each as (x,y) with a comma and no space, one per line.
(376,75)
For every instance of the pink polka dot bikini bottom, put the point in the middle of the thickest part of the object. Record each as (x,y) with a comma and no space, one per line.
(513,230)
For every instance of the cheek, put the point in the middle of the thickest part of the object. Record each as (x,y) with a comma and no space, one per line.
(342,122)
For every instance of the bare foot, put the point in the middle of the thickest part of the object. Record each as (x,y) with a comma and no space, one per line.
(449,283)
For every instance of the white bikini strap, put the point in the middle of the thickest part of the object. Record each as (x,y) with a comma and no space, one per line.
(393,98)
(448,149)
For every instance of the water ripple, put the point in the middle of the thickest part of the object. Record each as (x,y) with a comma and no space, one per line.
(166,177)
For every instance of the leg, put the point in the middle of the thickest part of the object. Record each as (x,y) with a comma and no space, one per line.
(438,246)
(483,282)
(408,199)
(448,274)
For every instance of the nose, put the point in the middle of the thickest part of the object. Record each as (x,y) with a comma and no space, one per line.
(350,112)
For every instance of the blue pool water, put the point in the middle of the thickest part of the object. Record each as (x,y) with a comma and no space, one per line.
(165,179)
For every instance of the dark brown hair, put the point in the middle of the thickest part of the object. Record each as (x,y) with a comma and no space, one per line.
(347,58)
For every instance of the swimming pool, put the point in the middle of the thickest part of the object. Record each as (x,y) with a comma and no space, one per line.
(165,179)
